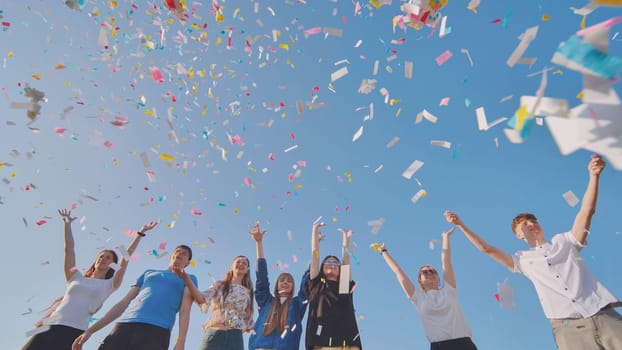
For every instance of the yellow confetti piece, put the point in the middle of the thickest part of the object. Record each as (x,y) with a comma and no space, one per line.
(10,54)
(203,245)
(393,101)
(399,111)
(235,211)
(375,246)
(36,76)
(67,84)
(193,263)
(580,95)
(1,165)
(148,112)
(220,17)
(218,41)
(521,115)
(583,22)
(297,186)
(375,3)
(114,4)
(334,219)
(13,174)
(166,157)
(284,46)
(546,17)
(559,71)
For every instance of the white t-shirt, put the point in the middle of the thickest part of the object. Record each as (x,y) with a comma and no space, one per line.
(83,298)
(441,314)
(566,288)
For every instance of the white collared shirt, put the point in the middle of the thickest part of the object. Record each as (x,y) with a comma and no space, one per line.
(440,313)
(566,288)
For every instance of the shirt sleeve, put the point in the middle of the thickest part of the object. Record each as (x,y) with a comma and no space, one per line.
(208,294)
(569,238)
(140,280)
(516,260)
(262,285)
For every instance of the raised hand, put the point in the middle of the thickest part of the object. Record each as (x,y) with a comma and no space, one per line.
(65,214)
(452,218)
(316,228)
(449,232)
(596,165)
(148,226)
(257,233)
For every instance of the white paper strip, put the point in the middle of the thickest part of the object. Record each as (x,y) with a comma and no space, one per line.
(412,169)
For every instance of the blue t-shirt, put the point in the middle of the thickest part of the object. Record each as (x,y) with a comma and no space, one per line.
(159,299)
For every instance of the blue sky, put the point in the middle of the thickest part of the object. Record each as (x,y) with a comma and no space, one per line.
(282,166)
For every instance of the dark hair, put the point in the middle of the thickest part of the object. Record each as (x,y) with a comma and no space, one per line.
(324,261)
(521,217)
(110,273)
(319,293)
(188,249)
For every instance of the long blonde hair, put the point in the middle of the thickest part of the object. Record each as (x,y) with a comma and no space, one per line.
(277,316)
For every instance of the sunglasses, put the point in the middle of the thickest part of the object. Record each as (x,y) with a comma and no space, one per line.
(428,272)
(332,263)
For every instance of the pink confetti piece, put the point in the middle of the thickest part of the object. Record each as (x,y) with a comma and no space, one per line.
(73,269)
(271,156)
(108,144)
(294,259)
(134,257)
(59,130)
(442,58)
(444,102)
(41,222)
(301,163)
(248,182)
(162,246)
(196,212)
(313,31)
(157,75)
(236,140)
(291,177)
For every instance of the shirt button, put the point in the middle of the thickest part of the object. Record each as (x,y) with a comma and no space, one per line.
(557,276)
(573,300)
(565,288)
(549,264)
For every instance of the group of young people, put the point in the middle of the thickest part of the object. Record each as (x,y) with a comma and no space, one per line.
(580,309)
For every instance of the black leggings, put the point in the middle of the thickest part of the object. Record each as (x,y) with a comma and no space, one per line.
(56,338)
(136,336)
(453,344)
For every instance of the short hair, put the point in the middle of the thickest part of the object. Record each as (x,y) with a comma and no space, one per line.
(520,218)
(188,249)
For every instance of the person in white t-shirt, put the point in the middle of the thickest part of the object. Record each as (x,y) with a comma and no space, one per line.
(579,307)
(443,321)
(69,315)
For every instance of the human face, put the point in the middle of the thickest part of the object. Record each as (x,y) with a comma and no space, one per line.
(428,277)
(240,266)
(285,285)
(103,260)
(331,268)
(180,258)
(528,229)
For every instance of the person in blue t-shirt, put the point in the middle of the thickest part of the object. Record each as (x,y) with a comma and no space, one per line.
(156,297)
(279,325)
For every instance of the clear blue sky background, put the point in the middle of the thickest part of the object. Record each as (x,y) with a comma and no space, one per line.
(234,93)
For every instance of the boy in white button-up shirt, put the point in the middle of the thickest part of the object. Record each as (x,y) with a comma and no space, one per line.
(579,307)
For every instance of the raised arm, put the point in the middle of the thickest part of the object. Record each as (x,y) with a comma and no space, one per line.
(70,253)
(583,220)
(118,275)
(345,247)
(110,316)
(497,254)
(316,236)
(405,282)
(194,291)
(257,235)
(184,319)
(448,269)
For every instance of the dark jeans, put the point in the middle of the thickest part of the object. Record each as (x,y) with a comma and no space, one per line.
(136,336)
(219,339)
(56,338)
(453,344)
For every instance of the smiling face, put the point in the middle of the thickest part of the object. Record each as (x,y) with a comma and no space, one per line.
(181,257)
(285,285)
(239,266)
(527,228)
(104,259)
(331,266)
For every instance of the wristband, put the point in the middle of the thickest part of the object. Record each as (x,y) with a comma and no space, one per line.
(383,250)
(142,234)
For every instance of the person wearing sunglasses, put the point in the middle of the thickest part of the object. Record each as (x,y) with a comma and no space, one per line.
(579,308)
(331,323)
(443,322)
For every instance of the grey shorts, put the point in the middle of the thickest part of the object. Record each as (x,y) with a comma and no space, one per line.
(601,331)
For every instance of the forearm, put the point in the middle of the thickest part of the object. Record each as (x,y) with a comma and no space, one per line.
(110,316)
(446,254)
(315,253)
(134,244)
(404,281)
(259,249)
(194,291)
(184,318)
(590,197)
(345,250)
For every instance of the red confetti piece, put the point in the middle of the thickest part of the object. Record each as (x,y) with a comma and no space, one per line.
(196,212)
(271,156)
(41,222)
(495,21)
